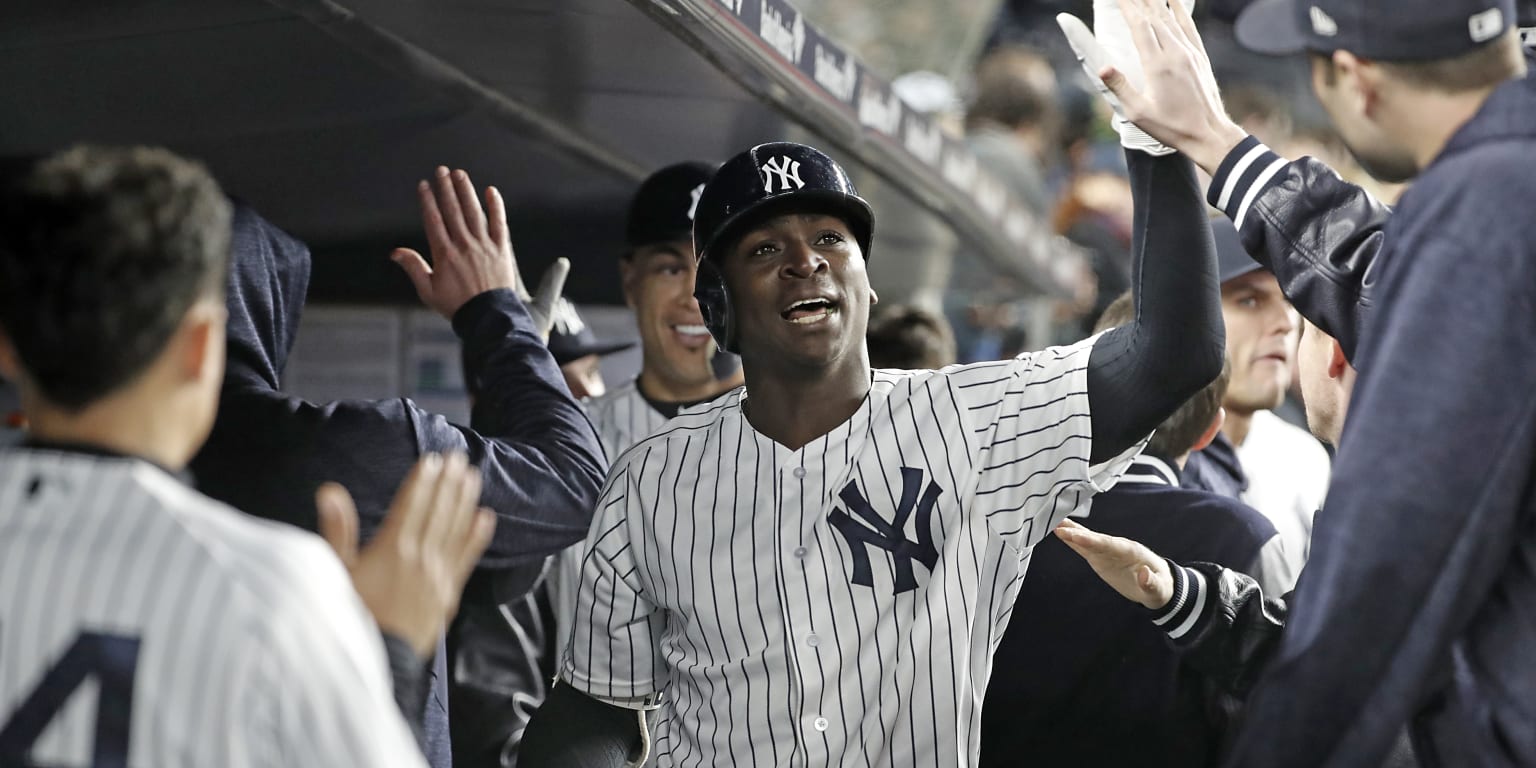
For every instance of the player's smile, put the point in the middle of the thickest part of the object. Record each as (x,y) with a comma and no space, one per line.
(811,311)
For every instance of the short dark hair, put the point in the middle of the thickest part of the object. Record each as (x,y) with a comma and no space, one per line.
(909,338)
(1015,86)
(1482,67)
(102,252)
(1184,427)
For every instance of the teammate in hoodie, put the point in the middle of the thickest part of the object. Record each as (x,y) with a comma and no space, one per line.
(1418,606)
(538,456)
(141,622)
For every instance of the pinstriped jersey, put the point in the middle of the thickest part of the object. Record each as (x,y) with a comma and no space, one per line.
(622,417)
(836,604)
(142,624)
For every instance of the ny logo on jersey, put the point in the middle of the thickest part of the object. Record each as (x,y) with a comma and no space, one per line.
(786,170)
(890,536)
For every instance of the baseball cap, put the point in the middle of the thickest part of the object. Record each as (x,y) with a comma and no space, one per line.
(1386,30)
(570,338)
(662,208)
(1232,259)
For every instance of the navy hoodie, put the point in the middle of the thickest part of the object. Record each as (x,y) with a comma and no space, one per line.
(1418,604)
(268,452)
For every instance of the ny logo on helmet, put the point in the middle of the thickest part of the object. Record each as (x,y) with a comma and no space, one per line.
(786,170)
(890,535)
(698,191)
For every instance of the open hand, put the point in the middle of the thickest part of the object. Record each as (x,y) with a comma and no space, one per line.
(1174,97)
(413,572)
(471,250)
(1134,571)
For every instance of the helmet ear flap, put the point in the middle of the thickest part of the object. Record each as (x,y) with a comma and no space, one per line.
(715,304)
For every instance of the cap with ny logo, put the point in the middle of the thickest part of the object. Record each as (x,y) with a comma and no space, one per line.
(1385,30)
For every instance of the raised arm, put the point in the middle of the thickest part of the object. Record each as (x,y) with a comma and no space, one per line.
(1141,372)
(539,456)
(1318,233)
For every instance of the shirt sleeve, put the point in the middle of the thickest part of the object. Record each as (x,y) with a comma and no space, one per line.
(1031,430)
(1319,234)
(333,699)
(1428,505)
(614,651)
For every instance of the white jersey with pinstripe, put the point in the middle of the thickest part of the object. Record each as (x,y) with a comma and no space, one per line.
(621,416)
(837,604)
(142,624)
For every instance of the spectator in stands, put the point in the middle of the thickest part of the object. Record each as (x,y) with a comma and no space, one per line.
(1011,126)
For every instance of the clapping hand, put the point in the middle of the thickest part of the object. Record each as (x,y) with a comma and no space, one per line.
(413,572)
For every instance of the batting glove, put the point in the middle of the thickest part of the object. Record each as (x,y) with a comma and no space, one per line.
(1110,45)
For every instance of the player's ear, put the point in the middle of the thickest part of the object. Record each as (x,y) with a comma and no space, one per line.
(202,341)
(1337,364)
(1210,432)
(1360,79)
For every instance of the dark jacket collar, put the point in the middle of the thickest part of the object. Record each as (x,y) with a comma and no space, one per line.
(1509,112)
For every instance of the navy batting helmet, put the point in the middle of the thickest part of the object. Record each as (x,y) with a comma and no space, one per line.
(764,181)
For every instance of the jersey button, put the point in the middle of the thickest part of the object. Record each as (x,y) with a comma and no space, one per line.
(812,640)
(799,472)
(821,723)
(800,551)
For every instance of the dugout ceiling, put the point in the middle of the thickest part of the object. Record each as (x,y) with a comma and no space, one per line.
(323,113)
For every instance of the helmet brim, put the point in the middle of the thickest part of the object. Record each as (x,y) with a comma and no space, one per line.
(850,208)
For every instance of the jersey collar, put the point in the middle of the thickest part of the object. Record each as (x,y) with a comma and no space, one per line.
(1150,470)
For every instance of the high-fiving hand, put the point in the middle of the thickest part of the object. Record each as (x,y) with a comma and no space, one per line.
(1148,60)
(1134,571)
(413,572)
(471,251)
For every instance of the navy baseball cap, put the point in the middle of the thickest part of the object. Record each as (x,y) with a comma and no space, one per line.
(571,339)
(1385,30)
(1232,259)
(663,207)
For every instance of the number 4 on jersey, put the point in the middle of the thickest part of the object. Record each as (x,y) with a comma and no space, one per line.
(112,659)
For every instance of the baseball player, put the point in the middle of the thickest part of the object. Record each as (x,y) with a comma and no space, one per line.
(1431,502)
(144,624)
(657,271)
(541,463)
(814,570)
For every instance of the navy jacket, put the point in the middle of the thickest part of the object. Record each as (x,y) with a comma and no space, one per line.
(1418,604)
(1215,468)
(540,459)
(1081,677)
